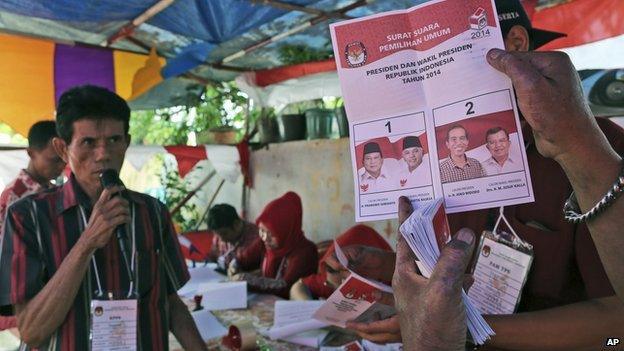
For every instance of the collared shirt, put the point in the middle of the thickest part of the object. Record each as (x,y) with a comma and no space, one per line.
(450,172)
(420,176)
(512,164)
(248,251)
(20,187)
(42,229)
(370,184)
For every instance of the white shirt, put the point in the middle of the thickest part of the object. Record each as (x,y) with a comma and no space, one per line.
(419,177)
(512,164)
(385,181)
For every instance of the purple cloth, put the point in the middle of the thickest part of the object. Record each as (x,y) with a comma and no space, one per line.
(79,65)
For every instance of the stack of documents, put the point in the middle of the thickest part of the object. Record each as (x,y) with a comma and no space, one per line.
(293,322)
(426,231)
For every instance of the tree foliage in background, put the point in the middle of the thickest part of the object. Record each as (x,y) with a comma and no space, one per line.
(221,106)
(188,217)
(293,54)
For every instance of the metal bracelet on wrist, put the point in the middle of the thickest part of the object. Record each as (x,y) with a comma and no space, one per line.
(571,209)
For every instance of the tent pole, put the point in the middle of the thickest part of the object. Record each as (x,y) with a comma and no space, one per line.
(129,27)
(294,30)
(193,192)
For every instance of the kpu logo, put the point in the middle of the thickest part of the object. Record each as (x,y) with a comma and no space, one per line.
(612,342)
(355,54)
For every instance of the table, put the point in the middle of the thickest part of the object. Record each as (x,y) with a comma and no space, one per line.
(260,313)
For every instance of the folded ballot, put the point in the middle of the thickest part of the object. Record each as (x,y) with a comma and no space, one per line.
(294,318)
(426,232)
(354,300)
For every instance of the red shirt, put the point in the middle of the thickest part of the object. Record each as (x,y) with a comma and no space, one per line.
(21,186)
(566,266)
(248,251)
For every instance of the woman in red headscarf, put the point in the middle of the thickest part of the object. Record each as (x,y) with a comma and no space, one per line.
(330,271)
(289,255)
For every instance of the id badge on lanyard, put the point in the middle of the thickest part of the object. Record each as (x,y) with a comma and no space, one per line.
(501,270)
(114,323)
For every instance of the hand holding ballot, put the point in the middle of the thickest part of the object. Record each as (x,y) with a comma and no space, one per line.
(551,100)
(431,312)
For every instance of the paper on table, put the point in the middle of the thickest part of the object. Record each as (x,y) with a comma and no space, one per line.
(200,275)
(293,317)
(223,296)
(208,325)
(310,338)
(371,346)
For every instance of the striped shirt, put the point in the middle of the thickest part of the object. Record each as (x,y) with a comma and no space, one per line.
(450,172)
(41,230)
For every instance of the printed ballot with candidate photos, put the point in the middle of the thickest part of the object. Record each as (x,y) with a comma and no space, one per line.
(429,117)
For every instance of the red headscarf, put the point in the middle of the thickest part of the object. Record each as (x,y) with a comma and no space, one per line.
(356,235)
(283,218)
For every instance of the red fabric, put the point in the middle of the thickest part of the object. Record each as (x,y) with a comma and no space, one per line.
(201,244)
(271,76)
(584,21)
(243,153)
(356,235)
(283,218)
(187,157)
(7,322)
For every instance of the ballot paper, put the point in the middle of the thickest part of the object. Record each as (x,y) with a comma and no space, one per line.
(223,296)
(426,231)
(354,300)
(428,116)
(199,276)
(371,346)
(208,325)
(293,317)
(352,346)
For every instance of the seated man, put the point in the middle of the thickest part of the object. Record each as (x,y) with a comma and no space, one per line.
(330,271)
(236,246)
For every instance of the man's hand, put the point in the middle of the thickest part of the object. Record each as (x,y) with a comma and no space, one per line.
(108,213)
(551,99)
(370,262)
(383,331)
(431,313)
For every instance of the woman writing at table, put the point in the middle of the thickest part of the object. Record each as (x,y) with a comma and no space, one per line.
(289,255)
(330,271)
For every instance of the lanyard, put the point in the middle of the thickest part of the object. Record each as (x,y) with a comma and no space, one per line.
(133,252)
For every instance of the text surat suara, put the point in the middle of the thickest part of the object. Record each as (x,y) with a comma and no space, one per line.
(414,38)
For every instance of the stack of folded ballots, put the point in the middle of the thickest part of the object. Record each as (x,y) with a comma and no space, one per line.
(426,231)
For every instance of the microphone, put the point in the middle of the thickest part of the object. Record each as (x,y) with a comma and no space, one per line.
(109,178)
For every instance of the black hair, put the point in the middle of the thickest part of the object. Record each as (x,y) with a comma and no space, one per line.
(222,216)
(494,131)
(89,102)
(456,126)
(40,134)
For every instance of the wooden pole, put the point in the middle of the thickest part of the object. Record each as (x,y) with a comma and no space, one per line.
(193,192)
